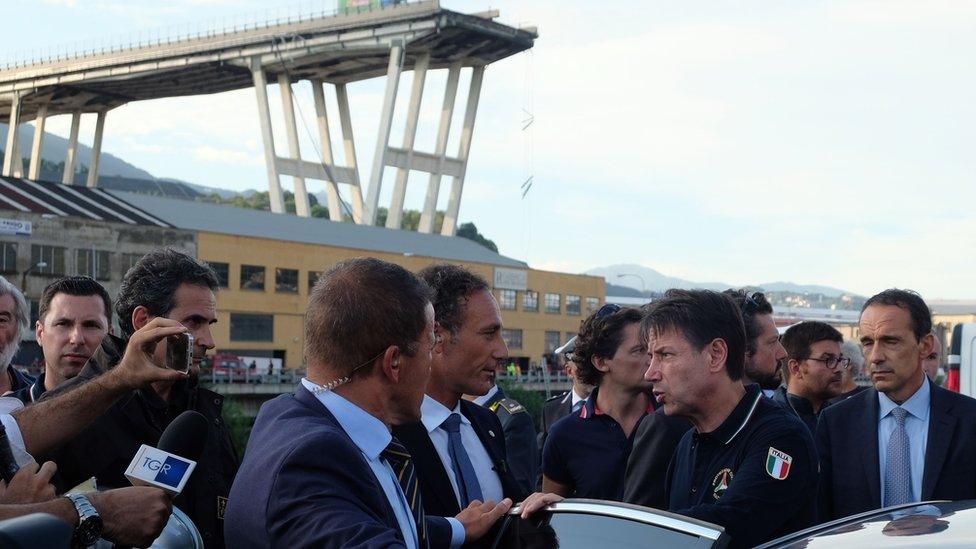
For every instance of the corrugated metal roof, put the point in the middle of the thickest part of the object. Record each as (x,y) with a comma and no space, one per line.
(45,198)
(224,219)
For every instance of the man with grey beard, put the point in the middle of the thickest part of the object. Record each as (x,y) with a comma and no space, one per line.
(13,323)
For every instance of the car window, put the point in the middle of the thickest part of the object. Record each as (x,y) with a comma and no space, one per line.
(571,530)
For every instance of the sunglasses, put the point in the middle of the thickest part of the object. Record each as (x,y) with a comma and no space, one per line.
(751,304)
(607,310)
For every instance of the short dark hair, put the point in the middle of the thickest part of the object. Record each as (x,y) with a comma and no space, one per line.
(452,285)
(599,336)
(152,283)
(77,286)
(359,308)
(799,337)
(918,311)
(702,316)
(750,306)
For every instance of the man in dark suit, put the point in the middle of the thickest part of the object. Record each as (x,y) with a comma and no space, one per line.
(459,447)
(562,405)
(322,469)
(906,439)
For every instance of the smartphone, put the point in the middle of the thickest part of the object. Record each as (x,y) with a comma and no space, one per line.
(179,352)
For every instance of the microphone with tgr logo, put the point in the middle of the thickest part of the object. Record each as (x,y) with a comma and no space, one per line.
(170,465)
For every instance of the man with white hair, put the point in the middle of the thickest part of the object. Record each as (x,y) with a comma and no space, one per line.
(13,323)
(848,380)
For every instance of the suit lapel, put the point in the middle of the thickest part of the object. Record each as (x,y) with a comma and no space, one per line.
(430,469)
(492,441)
(867,423)
(941,427)
(305,397)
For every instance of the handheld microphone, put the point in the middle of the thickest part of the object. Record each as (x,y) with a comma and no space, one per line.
(170,464)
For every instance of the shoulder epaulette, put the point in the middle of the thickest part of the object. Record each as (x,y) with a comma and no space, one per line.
(509,405)
(556,397)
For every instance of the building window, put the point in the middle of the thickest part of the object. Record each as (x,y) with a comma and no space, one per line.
(313,278)
(129,261)
(530,301)
(286,281)
(507,299)
(252,277)
(93,263)
(592,304)
(8,258)
(552,341)
(552,304)
(222,270)
(573,305)
(513,338)
(51,256)
(246,327)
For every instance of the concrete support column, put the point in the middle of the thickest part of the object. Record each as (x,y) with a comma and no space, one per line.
(383,135)
(34,170)
(325,143)
(429,213)
(13,138)
(454,203)
(68,177)
(349,148)
(302,205)
(413,115)
(264,117)
(96,150)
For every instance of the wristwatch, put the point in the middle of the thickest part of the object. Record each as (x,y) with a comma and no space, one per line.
(89,527)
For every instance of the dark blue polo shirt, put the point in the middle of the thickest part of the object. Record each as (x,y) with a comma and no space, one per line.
(756,474)
(20,383)
(588,451)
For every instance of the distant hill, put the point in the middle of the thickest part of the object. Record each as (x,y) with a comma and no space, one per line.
(655,281)
(55,148)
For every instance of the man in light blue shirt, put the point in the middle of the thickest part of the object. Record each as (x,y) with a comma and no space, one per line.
(906,439)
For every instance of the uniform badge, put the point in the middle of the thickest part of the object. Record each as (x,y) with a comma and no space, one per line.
(221,507)
(778,464)
(721,482)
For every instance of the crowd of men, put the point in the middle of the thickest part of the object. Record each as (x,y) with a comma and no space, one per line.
(399,437)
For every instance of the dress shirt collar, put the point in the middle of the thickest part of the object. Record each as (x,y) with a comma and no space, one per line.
(576,396)
(482,400)
(916,405)
(366,431)
(433,413)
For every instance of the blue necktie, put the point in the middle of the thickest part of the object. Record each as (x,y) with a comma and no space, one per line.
(577,406)
(402,464)
(898,467)
(467,480)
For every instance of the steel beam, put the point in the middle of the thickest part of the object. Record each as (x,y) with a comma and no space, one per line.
(302,206)
(96,150)
(68,177)
(264,117)
(449,228)
(349,147)
(34,170)
(395,215)
(13,136)
(325,144)
(428,215)
(383,135)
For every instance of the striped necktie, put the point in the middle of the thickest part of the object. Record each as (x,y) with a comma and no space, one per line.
(402,464)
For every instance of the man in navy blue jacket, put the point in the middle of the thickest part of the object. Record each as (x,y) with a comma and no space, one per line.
(322,468)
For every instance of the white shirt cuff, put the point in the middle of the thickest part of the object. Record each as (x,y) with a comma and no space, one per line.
(457,532)
(17,446)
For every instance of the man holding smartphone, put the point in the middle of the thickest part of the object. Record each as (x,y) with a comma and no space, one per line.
(163,284)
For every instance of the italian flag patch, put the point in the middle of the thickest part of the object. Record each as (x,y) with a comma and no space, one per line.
(778,464)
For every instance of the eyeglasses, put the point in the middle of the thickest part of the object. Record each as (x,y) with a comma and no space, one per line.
(832,362)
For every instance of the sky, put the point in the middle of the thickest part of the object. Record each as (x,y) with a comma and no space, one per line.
(740,141)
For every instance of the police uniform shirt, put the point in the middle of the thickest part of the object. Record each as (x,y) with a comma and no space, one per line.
(588,451)
(756,474)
